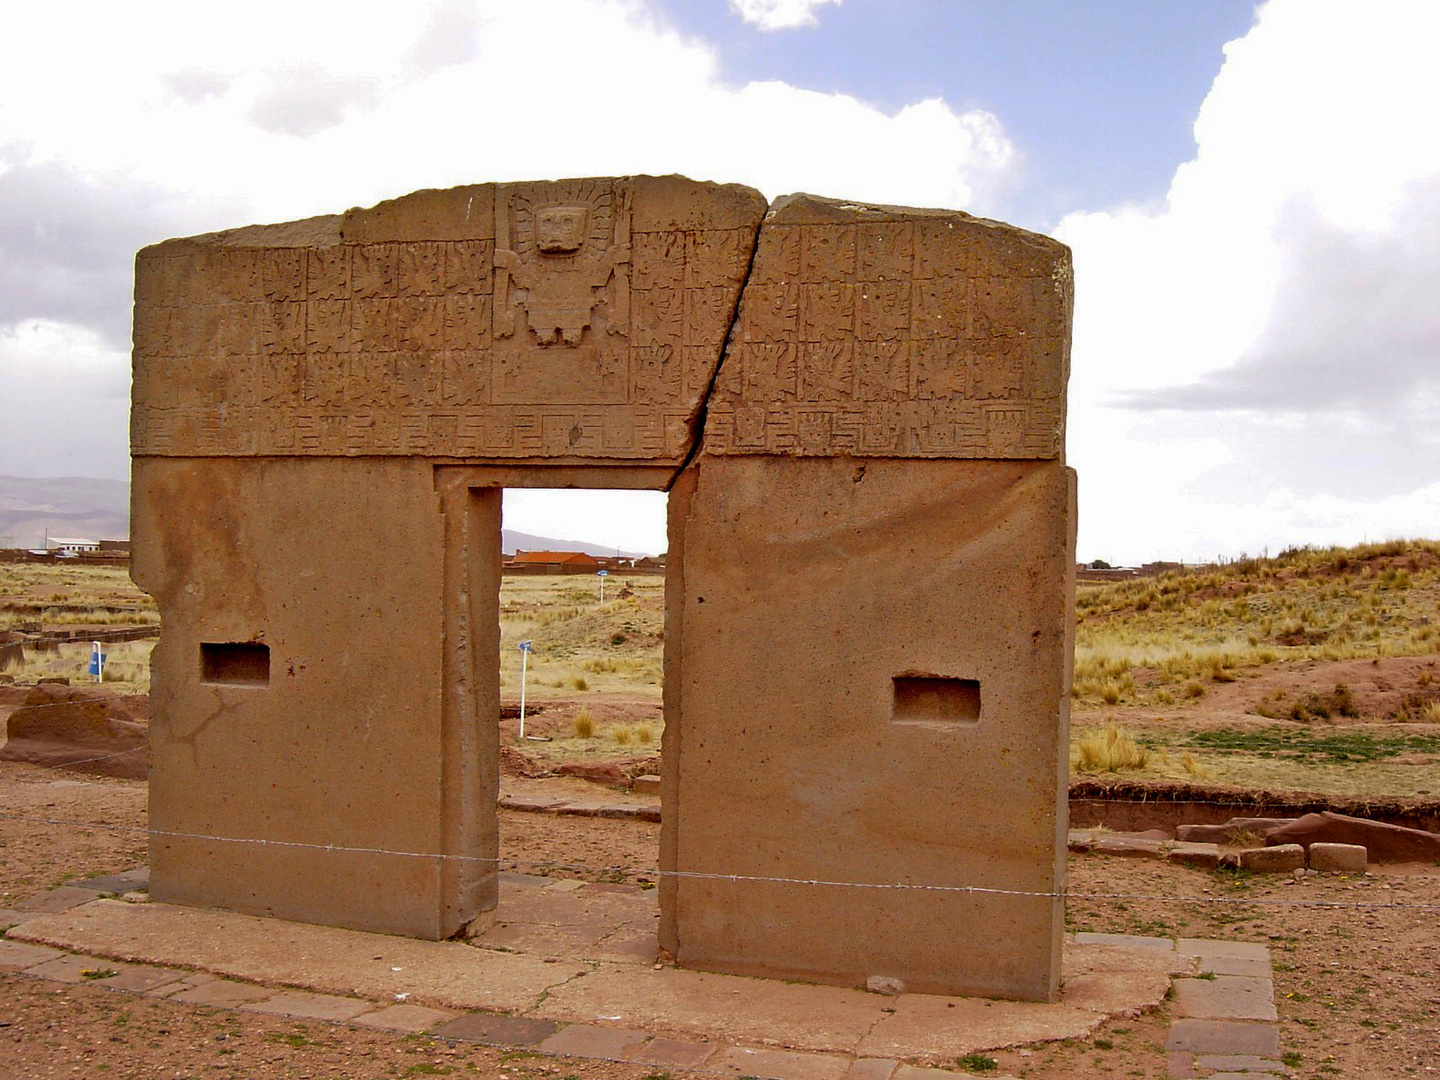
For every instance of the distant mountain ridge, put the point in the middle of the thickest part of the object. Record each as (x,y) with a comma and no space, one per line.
(32,508)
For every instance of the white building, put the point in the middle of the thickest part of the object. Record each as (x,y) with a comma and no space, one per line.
(69,545)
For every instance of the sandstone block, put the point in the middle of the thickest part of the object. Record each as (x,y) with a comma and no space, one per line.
(1281,858)
(1206,856)
(1383,842)
(1139,847)
(1346,858)
(1232,831)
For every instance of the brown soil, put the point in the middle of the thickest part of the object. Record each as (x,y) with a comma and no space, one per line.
(1357,988)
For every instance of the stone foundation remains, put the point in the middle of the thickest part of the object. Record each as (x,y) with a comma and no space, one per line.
(858,412)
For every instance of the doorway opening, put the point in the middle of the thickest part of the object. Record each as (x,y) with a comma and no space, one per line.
(581,675)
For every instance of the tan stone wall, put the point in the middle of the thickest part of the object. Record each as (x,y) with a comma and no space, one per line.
(871,558)
(809,585)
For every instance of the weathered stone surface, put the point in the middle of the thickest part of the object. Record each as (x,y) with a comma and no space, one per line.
(78,728)
(760,534)
(563,320)
(1272,860)
(1232,831)
(325,413)
(1242,1037)
(1345,858)
(1225,997)
(1382,842)
(870,331)
(1190,853)
(1138,847)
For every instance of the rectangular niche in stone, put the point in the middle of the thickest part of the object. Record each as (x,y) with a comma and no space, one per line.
(233,663)
(931,699)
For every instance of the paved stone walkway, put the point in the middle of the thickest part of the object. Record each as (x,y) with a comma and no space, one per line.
(568,970)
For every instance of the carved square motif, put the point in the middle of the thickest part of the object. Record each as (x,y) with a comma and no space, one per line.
(998,367)
(715,257)
(777,262)
(707,315)
(282,327)
(938,370)
(657,373)
(812,431)
(469,265)
(771,312)
(882,310)
(373,324)
(658,260)
(882,370)
(327,326)
(325,382)
(327,273)
(283,274)
(827,371)
(463,377)
(886,251)
(467,321)
(828,253)
(370,382)
(373,270)
(827,311)
(939,308)
(420,322)
(422,269)
(657,316)
(769,372)
(750,427)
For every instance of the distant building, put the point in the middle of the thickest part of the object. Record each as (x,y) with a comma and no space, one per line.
(69,545)
(115,547)
(553,562)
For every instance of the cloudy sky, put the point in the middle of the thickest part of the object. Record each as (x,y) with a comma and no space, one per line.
(1252,193)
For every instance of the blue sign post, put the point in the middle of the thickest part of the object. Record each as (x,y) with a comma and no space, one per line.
(602,575)
(524,665)
(97,661)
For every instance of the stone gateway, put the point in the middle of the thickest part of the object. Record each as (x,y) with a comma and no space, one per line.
(858,412)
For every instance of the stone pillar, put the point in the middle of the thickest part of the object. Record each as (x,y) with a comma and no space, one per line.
(869,655)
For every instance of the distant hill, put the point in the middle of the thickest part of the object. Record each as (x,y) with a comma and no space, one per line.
(510,539)
(32,508)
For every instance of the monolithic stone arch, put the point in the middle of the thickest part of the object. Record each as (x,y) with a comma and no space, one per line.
(859,414)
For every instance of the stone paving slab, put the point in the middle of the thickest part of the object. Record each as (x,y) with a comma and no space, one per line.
(1245,1037)
(221,993)
(142,980)
(1126,941)
(593,1041)
(1207,948)
(128,881)
(17,956)
(495,1029)
(1240,1063)
(1226,997)
(447,974)
(14,917)
(778,1064)
(674,1053)
(409,1019)
(75,969)
(61,899)
(1235,965)
(933,1027)
(872,1069)
(1117,993)
(303,1005)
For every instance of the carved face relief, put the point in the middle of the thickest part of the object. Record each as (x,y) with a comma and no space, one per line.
(560,230)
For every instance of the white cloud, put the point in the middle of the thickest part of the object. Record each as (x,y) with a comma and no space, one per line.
(64,397)
(779,14)
(1268,335)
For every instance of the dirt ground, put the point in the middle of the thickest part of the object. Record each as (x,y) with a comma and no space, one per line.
(1358,987)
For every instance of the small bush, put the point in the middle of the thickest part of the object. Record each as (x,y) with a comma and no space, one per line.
(977,1063)
(621,734)
(644,734)
(1110,750)
(579,682)
(584,725)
